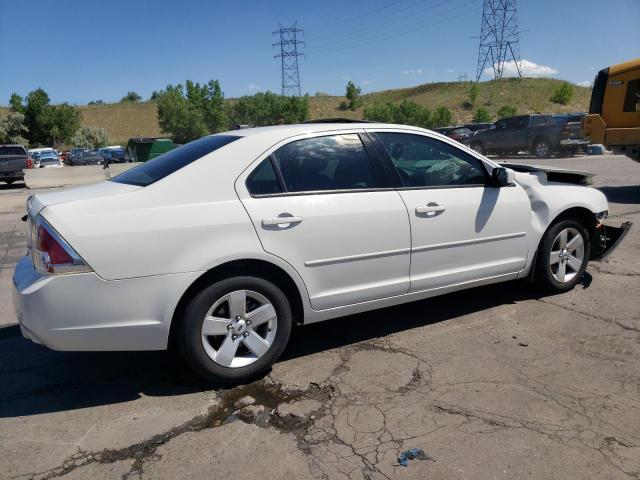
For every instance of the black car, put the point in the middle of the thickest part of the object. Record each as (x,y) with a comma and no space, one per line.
(91,157)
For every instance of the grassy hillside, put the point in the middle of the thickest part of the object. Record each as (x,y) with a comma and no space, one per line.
(124,120)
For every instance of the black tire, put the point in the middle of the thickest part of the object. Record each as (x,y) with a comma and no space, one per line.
(478,147)
(189,338)
(544,278)
(9,181)
(542,148)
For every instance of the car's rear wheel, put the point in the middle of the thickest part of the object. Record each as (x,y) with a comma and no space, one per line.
(562,257)
(235,329)
(478,147)
(9,181)
(542,148)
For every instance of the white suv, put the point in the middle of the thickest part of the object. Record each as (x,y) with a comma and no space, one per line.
(223,244)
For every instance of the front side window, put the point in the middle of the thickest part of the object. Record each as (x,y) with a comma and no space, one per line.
(336,162)
(172,161)
(427,162)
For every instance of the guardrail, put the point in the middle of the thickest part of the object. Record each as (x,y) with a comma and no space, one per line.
(69,176)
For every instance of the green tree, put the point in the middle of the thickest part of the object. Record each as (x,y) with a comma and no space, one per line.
(192,111)
(353,96)
(15,103)
(442,117)
(474,91)
(61,122)
(270,109)
(13,130)
(482,115)
(35,114)
(96,102)
(131,97)
(563,94)
(154,95)
(507,111)
(90,137)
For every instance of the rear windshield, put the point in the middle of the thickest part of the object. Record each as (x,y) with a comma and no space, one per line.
(167,163)
(12,151)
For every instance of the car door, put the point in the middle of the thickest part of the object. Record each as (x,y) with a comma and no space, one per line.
(322,205)
(514,136)
(462,228)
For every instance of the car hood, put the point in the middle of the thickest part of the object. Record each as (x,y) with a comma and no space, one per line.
(101,189)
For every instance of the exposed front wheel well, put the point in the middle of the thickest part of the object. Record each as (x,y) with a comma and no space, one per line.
(258,268)
(585,217)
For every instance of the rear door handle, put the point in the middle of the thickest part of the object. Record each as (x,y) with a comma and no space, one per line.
(430,209)
(274,221)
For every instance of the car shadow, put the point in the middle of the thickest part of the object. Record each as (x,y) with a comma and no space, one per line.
(625,194)
(13,186)
(36,380)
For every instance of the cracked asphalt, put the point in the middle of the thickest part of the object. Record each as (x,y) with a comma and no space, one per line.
(496,382)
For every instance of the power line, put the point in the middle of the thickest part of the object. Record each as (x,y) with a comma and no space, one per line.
(499,37)
(289,56)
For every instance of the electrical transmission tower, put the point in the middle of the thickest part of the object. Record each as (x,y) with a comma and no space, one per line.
(499,37)
(289,54)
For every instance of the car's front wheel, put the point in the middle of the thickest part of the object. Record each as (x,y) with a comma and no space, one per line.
(235,329)
(562,257)
(478,147)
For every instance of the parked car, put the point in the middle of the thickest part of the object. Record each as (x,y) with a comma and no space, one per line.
(49,160)
(460,134)
(76,155)
(233,238)
(90,157)
(115,155)
(537,133)
(571,139)
(141,149)
(13,159)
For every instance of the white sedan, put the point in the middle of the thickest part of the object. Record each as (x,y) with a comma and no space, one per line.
(223,244)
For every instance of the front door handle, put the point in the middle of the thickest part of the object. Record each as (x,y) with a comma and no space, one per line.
(430,209)
(275,221)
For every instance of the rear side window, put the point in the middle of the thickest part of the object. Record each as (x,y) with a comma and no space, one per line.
(12,151)
(172,161)
(427,162)
(337,162)
(263,180)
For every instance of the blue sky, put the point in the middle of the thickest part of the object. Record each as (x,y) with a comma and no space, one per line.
(83,50)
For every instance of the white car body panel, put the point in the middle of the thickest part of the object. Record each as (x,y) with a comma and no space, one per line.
(351,252)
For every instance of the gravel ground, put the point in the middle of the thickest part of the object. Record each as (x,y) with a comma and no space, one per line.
(495,382)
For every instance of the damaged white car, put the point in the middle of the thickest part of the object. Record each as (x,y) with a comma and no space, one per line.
(223,244)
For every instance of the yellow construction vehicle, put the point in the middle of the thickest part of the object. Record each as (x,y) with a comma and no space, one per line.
(614,112)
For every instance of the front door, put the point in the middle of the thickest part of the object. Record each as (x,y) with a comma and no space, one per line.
(318,204)
(462,229)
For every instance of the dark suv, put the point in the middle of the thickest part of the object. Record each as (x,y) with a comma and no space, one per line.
(538,134)
(13,159)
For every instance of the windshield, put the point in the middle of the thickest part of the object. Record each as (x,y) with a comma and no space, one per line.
(167,163)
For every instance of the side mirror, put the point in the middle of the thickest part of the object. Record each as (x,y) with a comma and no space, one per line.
(502,177)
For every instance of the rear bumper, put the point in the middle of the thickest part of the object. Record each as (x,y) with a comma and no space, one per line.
(15,174)
(609,239)
(84,312)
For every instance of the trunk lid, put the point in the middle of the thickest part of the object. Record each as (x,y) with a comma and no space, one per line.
(101,189)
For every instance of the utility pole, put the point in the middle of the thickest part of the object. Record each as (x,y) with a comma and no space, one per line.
(499,37)
(289,55)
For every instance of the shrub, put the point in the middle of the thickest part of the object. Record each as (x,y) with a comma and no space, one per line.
(131,97)
(482,115)
(353,96)
(563,94)
(406,113)
(13,130)
(90,137)
(442,117)
(270,109)
(507,111)
(474,91)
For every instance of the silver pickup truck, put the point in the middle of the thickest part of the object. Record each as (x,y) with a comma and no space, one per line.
(13,159)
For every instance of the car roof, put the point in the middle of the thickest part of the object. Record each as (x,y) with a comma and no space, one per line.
(310,128)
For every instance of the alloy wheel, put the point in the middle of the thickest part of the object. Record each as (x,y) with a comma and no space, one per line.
(567,255)
(239,328)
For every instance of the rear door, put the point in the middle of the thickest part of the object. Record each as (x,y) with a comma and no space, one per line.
(462,228)
(322,205)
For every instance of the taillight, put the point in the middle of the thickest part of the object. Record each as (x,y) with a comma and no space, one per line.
(29,162)
(51,254)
